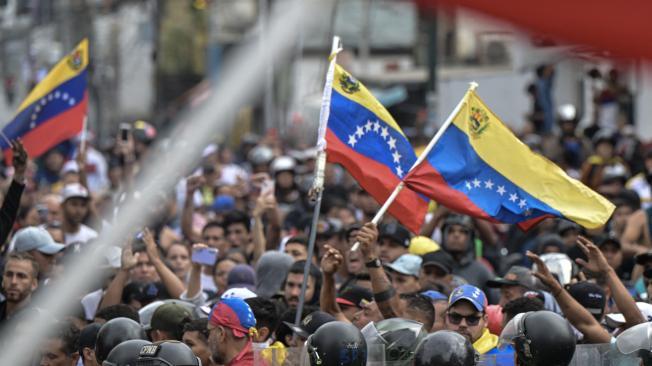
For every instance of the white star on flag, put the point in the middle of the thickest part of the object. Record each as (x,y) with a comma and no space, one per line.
(359,131)
(513,197)
(384,133)
(489,184)
(521,203)
(376,126)
(368,125)
(399,171)
(396,156)
(352,140)
(392,143)
(476,183)
(468,185)
(528,212)
(501,190)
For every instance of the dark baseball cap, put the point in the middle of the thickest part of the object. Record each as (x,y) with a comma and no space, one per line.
(565,225)
(242,275)
(608,240)
(354,295)
(170,317)
(590,296)
(396,233)
(440,259)
(516,276)
(311,323)
(643,258)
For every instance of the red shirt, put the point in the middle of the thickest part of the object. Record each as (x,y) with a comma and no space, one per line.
(244,358)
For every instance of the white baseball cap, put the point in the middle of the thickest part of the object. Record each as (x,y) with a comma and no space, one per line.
(238,292)
(34,237)
(618,319)
(74,190)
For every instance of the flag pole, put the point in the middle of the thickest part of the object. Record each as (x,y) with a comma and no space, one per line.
(317,189)
(379,215)
(84,135)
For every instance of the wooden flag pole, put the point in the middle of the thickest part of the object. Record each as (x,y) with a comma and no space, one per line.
(318,184)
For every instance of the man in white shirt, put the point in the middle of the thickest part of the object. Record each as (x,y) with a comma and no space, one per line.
(75,208)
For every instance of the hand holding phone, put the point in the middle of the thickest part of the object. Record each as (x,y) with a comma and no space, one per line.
(125,129)
(205,256)
(267,187)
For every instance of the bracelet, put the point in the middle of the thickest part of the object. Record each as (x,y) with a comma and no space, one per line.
(385,295)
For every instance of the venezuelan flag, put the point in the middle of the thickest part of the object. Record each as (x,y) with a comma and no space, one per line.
(55,109)
(364,138)
(479,168)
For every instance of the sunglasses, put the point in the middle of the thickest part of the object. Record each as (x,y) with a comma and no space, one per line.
(471,320)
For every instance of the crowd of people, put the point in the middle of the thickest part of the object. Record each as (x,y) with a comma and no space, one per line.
(216,276)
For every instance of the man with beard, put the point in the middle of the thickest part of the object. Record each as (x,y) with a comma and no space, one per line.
(466,315)
(19,280)
(75,207)
(459,242)
(293,281)
(232,326)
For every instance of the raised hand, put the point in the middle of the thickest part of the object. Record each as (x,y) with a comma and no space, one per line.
(193,183)
(19,160)
(597,263)
(264,202)
(331,261)
(367,236)
(150,245)
(128,258)
(543,274)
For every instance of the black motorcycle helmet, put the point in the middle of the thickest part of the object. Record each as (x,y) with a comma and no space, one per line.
(113,333)
(126,353)
(167,353)
(552,344)
(445,348)
(337,344)
(399,337)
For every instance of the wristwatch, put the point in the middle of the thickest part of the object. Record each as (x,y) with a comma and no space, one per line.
(374,263)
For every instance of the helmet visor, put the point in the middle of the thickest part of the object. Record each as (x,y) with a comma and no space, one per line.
(636,338)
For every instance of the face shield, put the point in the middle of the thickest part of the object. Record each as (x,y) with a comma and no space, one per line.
(636,338)
(392,341)
(512,330)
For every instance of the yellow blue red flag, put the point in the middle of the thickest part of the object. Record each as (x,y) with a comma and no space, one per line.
(479,168)
(55,109)
(363,137)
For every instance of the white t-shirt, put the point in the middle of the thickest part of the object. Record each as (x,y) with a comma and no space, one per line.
(84,235)
(207,283)
(91,302)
